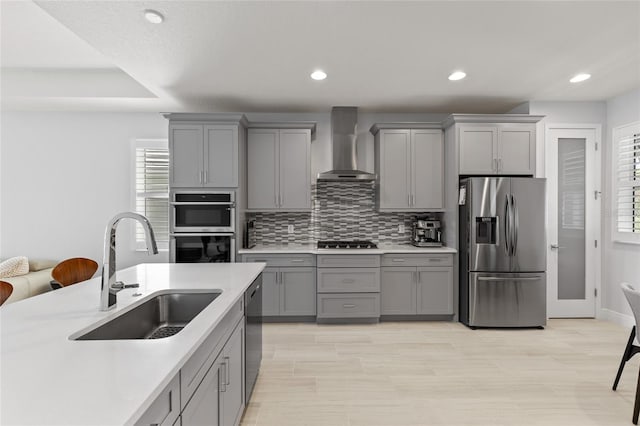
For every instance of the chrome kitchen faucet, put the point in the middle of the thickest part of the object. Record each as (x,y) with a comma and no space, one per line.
(110,286)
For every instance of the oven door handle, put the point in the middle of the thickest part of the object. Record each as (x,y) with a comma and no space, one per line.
(208,203)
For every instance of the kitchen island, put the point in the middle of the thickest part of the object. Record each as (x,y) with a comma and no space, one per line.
(48,378)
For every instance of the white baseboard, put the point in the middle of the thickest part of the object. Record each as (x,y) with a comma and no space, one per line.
(617,317)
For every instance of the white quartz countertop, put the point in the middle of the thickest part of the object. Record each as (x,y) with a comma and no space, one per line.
(46,378)
(312,249)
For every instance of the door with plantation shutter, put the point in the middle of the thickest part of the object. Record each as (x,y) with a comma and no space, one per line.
(152,190)
(573,212)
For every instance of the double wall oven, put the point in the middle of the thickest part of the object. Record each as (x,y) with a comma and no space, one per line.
(202,226)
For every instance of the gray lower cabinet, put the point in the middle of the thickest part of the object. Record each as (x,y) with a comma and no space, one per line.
(218,399)
(289,291)
(165,410)
(209,388)
(348,287)
(415,289)
(398,291)
(288,284)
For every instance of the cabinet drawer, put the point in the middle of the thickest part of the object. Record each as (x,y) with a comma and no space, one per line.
(348,260)
(281,260)
(412,259)
(192,373)
(165,409)
(346,305)
(348,280)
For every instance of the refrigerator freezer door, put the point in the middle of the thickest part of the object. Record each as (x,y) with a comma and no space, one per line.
(507,300)
(487,198)
(529,209)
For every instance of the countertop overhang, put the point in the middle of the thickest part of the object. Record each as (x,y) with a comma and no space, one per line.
(46,378)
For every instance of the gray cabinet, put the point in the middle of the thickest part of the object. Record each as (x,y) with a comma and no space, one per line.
(165,410)
(279,169)
(495,144)
(288,284)
(414,289)
(204,149)
(218,399)
(409,163)
(348,287)
(203,408)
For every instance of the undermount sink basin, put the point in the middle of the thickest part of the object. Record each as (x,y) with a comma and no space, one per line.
(161,316)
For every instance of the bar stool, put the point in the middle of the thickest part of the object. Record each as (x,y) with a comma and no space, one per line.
(632,294)
(71,271)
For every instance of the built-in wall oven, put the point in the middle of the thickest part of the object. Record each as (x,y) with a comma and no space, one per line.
(202,211)
(202,247)
(202,226)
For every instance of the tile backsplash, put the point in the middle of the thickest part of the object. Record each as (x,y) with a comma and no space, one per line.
(340,211)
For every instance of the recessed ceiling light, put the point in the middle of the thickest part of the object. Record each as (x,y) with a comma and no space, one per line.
(580,77)
(457,75)
(318,75)
(153,16)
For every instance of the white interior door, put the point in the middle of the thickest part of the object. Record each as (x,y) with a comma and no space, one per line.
(573,221)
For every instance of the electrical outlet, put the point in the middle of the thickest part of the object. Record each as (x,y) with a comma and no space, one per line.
(401,229)
(290,229)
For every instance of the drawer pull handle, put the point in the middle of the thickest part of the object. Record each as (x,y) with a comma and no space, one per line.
(348,281)
(348,305)
(435,260)
(297,260)
(398,260)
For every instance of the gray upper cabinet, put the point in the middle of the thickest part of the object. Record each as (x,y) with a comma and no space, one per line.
(409,163)
(279,169)
(204,149)
(499,144)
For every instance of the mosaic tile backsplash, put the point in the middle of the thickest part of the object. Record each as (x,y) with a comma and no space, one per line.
(340,211)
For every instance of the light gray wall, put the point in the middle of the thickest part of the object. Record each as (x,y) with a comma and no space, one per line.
(621,262)
(63,176)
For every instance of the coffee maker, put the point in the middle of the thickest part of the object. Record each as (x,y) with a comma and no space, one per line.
(426,233)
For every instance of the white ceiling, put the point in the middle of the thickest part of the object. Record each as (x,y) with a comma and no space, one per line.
(380,56)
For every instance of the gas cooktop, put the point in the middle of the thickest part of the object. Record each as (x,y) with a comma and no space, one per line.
(347,245)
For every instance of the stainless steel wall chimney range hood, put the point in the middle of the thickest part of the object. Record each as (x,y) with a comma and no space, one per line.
(343,139)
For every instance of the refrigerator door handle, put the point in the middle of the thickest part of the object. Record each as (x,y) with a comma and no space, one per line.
(516,224)
(536,278)
(507,227)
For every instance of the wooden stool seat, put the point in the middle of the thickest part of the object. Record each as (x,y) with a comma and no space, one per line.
(74,270)
(5,291)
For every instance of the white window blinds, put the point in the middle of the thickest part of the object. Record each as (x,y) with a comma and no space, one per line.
(152,189)
(627,179)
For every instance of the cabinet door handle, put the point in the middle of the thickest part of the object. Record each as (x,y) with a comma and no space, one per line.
(413,199)
(204,177)
(227,372)
(398,260)
(499,164)
(297,260)
(435,260)
(418,277)
(223,384)
(494,164)
(348,305)
(275,199)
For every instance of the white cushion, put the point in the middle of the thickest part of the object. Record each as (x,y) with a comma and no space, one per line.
(14,267)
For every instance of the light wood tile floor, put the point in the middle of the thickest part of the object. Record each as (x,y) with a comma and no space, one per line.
(442,373)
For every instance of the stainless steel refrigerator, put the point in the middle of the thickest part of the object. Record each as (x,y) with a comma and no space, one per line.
(502,252)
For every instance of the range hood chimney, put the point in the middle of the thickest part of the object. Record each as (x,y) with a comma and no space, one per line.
(343,139)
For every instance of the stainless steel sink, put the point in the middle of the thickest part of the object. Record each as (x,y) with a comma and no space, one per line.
(161,316)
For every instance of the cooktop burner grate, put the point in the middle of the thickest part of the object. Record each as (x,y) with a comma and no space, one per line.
(347,245)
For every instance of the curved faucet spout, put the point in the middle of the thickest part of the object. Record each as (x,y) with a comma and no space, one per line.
(108,289)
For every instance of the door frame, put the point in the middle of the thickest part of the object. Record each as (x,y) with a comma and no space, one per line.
(590,234)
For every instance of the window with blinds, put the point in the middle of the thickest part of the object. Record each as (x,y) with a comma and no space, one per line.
(627,178)
(152,190)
